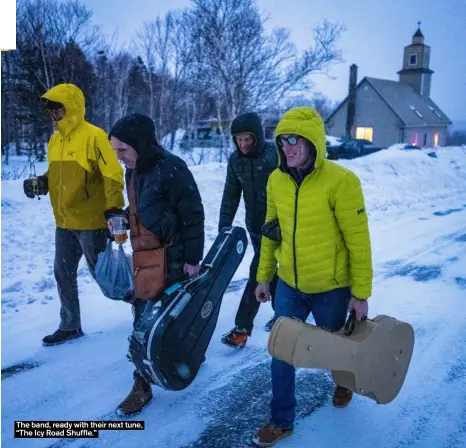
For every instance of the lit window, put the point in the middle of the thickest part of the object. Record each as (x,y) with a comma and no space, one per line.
(436,139)
(365,133)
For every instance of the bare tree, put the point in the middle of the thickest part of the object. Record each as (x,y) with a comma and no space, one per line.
(181,99)
(44,27)
(320,102)
(159,43)
(145,45)
(72,23)
(122,65)
(164,30)
(7,103)
(244,68)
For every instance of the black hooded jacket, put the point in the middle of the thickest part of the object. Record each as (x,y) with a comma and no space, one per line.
(248,175)
(168,202)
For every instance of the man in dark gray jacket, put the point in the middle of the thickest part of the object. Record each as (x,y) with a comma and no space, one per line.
(248,171)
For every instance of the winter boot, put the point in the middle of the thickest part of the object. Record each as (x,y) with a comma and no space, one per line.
(341,397)
(140,395)
(269,435)
(61,336)
(235,338)
(269,325)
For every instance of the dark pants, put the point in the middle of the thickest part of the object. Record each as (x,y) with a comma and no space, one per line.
(70,246)
(330,311)
(249,306)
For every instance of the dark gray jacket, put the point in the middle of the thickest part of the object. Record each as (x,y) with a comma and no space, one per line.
(248,175)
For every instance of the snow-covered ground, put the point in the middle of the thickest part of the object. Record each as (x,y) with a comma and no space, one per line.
(417,211)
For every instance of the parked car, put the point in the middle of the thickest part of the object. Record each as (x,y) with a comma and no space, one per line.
(351,149)
(409,147)
(428,151)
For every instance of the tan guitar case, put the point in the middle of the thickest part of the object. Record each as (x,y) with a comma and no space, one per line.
(372,360)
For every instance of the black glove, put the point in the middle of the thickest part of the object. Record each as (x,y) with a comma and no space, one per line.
(28,188)
(221,227)
(271,230)
(42,186)
(43,182)
(114,212)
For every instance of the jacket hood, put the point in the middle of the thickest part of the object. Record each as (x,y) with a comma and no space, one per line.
(72,98)
(251,123)
(307,123)
(138,131)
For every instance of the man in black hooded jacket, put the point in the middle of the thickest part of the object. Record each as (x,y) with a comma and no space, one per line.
(168,206)
(248,171)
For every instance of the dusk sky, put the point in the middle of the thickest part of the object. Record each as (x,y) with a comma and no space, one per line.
(376,33)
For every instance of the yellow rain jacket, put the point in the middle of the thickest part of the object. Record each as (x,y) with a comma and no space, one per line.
(325,237)
(84,175)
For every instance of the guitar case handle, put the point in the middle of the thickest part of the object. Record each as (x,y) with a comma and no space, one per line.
(351,323)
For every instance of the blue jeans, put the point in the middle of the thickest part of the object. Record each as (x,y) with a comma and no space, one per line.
(330,310)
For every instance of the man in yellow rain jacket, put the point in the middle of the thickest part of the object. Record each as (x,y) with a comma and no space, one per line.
(317,233)
(85,182)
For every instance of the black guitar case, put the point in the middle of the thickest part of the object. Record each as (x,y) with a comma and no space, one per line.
(171,337)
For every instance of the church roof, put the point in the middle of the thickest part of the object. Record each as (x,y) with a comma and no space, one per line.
(411,108)
(418,33)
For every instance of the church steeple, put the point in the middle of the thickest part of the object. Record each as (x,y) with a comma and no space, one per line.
(418,37)
(416,60)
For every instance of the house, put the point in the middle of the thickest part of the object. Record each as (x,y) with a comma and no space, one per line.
(387,112)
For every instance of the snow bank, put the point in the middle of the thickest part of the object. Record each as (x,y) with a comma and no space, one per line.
(394,183)
(86,379)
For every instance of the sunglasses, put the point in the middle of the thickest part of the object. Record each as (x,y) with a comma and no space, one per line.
(290,140)
(52,105)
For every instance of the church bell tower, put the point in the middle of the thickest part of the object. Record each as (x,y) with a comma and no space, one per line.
(416,60)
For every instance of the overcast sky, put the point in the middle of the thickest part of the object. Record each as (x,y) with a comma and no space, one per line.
(376,33)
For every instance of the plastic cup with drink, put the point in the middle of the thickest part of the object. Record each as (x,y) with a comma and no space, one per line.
(118,228)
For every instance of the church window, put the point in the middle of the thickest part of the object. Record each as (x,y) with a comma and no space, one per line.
(435,111)
(413,59)
(416,112)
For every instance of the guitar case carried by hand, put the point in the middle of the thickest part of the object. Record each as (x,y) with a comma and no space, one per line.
(171,337)
(372,360)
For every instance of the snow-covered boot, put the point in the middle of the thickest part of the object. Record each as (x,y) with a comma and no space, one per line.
(235,338)
(140,395)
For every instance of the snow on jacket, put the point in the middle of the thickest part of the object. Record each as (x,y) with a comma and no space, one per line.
(324,227)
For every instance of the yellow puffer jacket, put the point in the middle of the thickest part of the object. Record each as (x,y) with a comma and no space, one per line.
(325,236)
(84,175)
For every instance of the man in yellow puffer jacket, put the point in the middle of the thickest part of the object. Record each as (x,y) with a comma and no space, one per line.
(321,244)
(85,181)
